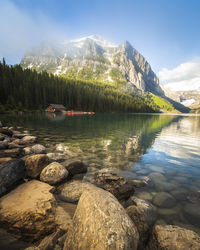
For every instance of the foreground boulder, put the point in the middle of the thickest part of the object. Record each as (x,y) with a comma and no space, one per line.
(53,173)
(173,238)
(75,166)
(143,215)
(29,210)
(100,222)
(11,172)
(35,164)
(71,191)
(117,185)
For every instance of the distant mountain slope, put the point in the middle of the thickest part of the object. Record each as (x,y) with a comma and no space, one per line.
(93,58)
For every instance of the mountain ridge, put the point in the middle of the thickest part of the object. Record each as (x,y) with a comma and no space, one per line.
(93,58)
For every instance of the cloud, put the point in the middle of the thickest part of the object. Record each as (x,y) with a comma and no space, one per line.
(20,29)
(184,77)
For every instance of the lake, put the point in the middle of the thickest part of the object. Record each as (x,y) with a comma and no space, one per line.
(162,149)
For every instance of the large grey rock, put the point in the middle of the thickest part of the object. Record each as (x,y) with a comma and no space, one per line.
(100,222)
(35,164)
(117,185)
(38,149)
(29,139)
(74,166)
(144,215)
(163,199)
(173,238)
(71,191)
(11,172)
(53,173)
(29,210)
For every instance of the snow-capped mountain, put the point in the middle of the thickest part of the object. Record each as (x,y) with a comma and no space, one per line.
(92,57)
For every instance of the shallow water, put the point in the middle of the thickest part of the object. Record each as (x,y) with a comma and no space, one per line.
(163,149)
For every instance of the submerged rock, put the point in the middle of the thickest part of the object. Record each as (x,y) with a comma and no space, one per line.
(74,166)
(143,214)
(192,213)
(2,137)
(11,172)
(35,164)
(6,131)
(163,199)
(14,145)
(29,139)
(3,145)
(53,173)
(173,238)
(29,210)
(56,157)
(117,185)
(13,153)
(72,191)
(38,149)
(19,135)
(138,183)
(100,222)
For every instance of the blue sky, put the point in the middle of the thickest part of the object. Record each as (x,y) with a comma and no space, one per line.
(165,32)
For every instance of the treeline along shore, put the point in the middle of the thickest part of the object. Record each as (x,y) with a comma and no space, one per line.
(26,89)
(45,202)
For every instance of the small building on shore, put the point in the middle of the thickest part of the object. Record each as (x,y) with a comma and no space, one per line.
(56,108)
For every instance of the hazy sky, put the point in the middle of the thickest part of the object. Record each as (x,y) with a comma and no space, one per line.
(165,32)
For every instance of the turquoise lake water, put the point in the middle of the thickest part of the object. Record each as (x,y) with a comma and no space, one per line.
(162,149)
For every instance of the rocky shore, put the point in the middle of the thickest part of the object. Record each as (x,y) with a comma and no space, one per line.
(45,202)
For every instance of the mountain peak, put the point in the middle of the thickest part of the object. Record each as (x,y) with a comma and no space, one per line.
(96,38)
(126,45)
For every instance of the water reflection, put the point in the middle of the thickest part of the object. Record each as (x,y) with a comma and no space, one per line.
(160,148)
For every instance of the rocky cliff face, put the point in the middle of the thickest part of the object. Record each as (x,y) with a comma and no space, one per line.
(94,58)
